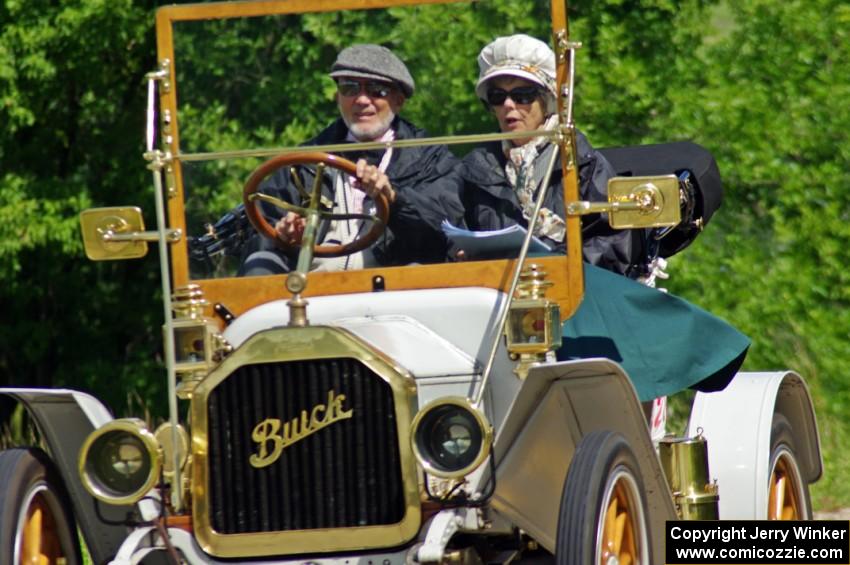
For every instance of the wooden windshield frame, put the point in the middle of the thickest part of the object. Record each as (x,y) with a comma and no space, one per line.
(241,294)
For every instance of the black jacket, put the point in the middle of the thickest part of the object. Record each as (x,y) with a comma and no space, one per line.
(411,171)
(483,199)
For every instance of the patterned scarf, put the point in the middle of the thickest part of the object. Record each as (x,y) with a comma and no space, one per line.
(521,174)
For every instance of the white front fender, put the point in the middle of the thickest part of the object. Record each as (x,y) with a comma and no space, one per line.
(559,404)
(736,422)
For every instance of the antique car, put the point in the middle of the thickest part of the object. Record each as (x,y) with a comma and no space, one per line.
(398,414)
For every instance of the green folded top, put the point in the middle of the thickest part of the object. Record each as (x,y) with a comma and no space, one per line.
(664,343)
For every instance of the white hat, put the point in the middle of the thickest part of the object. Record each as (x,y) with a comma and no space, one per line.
(521,56)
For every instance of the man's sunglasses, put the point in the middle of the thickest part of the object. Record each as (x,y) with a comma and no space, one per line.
(520,95)
(374,89)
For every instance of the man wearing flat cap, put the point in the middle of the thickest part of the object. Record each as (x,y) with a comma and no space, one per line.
(372,86)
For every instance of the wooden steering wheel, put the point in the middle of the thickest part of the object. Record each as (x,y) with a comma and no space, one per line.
(252,198)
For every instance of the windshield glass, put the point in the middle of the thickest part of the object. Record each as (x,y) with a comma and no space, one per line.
(262,82)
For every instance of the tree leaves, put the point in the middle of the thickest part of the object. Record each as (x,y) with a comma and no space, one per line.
(762,84)
(772,107)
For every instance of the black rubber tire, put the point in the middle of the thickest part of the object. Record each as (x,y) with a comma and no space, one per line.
(27,475)
(603,462)
(783,452)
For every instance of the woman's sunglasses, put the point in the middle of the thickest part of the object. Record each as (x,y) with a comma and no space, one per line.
(520,95)
(374,89)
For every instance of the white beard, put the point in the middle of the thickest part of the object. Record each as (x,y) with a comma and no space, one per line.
(371,132)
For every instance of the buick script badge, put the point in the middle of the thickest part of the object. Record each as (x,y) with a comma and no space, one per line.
(271,442)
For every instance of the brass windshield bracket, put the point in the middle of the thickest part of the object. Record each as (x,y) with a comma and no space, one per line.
(159,161)
(564,45)
(162,74)
(566,54)
(561,45)
(566,137)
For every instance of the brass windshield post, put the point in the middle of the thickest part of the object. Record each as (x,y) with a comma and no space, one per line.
(159,163)
(156,165)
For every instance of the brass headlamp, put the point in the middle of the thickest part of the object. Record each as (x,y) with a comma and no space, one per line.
(451,438)
(120,461)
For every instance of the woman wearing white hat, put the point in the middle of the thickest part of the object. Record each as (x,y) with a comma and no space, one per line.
(500,180)
(664,343)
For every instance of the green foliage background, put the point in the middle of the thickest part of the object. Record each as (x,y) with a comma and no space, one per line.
(763,84)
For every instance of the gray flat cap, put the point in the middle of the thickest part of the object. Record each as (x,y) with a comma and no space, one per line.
(373,61)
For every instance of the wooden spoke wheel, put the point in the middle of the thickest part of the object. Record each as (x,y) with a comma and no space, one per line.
(264,228)
(603,518)
(788,495)
(36,522)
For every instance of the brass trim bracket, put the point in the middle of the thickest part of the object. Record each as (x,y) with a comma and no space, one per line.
(158,160)
(162,75)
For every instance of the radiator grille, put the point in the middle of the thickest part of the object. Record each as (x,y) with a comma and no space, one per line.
(345,475)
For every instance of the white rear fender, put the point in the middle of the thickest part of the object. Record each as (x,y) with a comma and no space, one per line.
(736,422)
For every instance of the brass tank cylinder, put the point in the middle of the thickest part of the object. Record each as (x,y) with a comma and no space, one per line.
(685,463)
